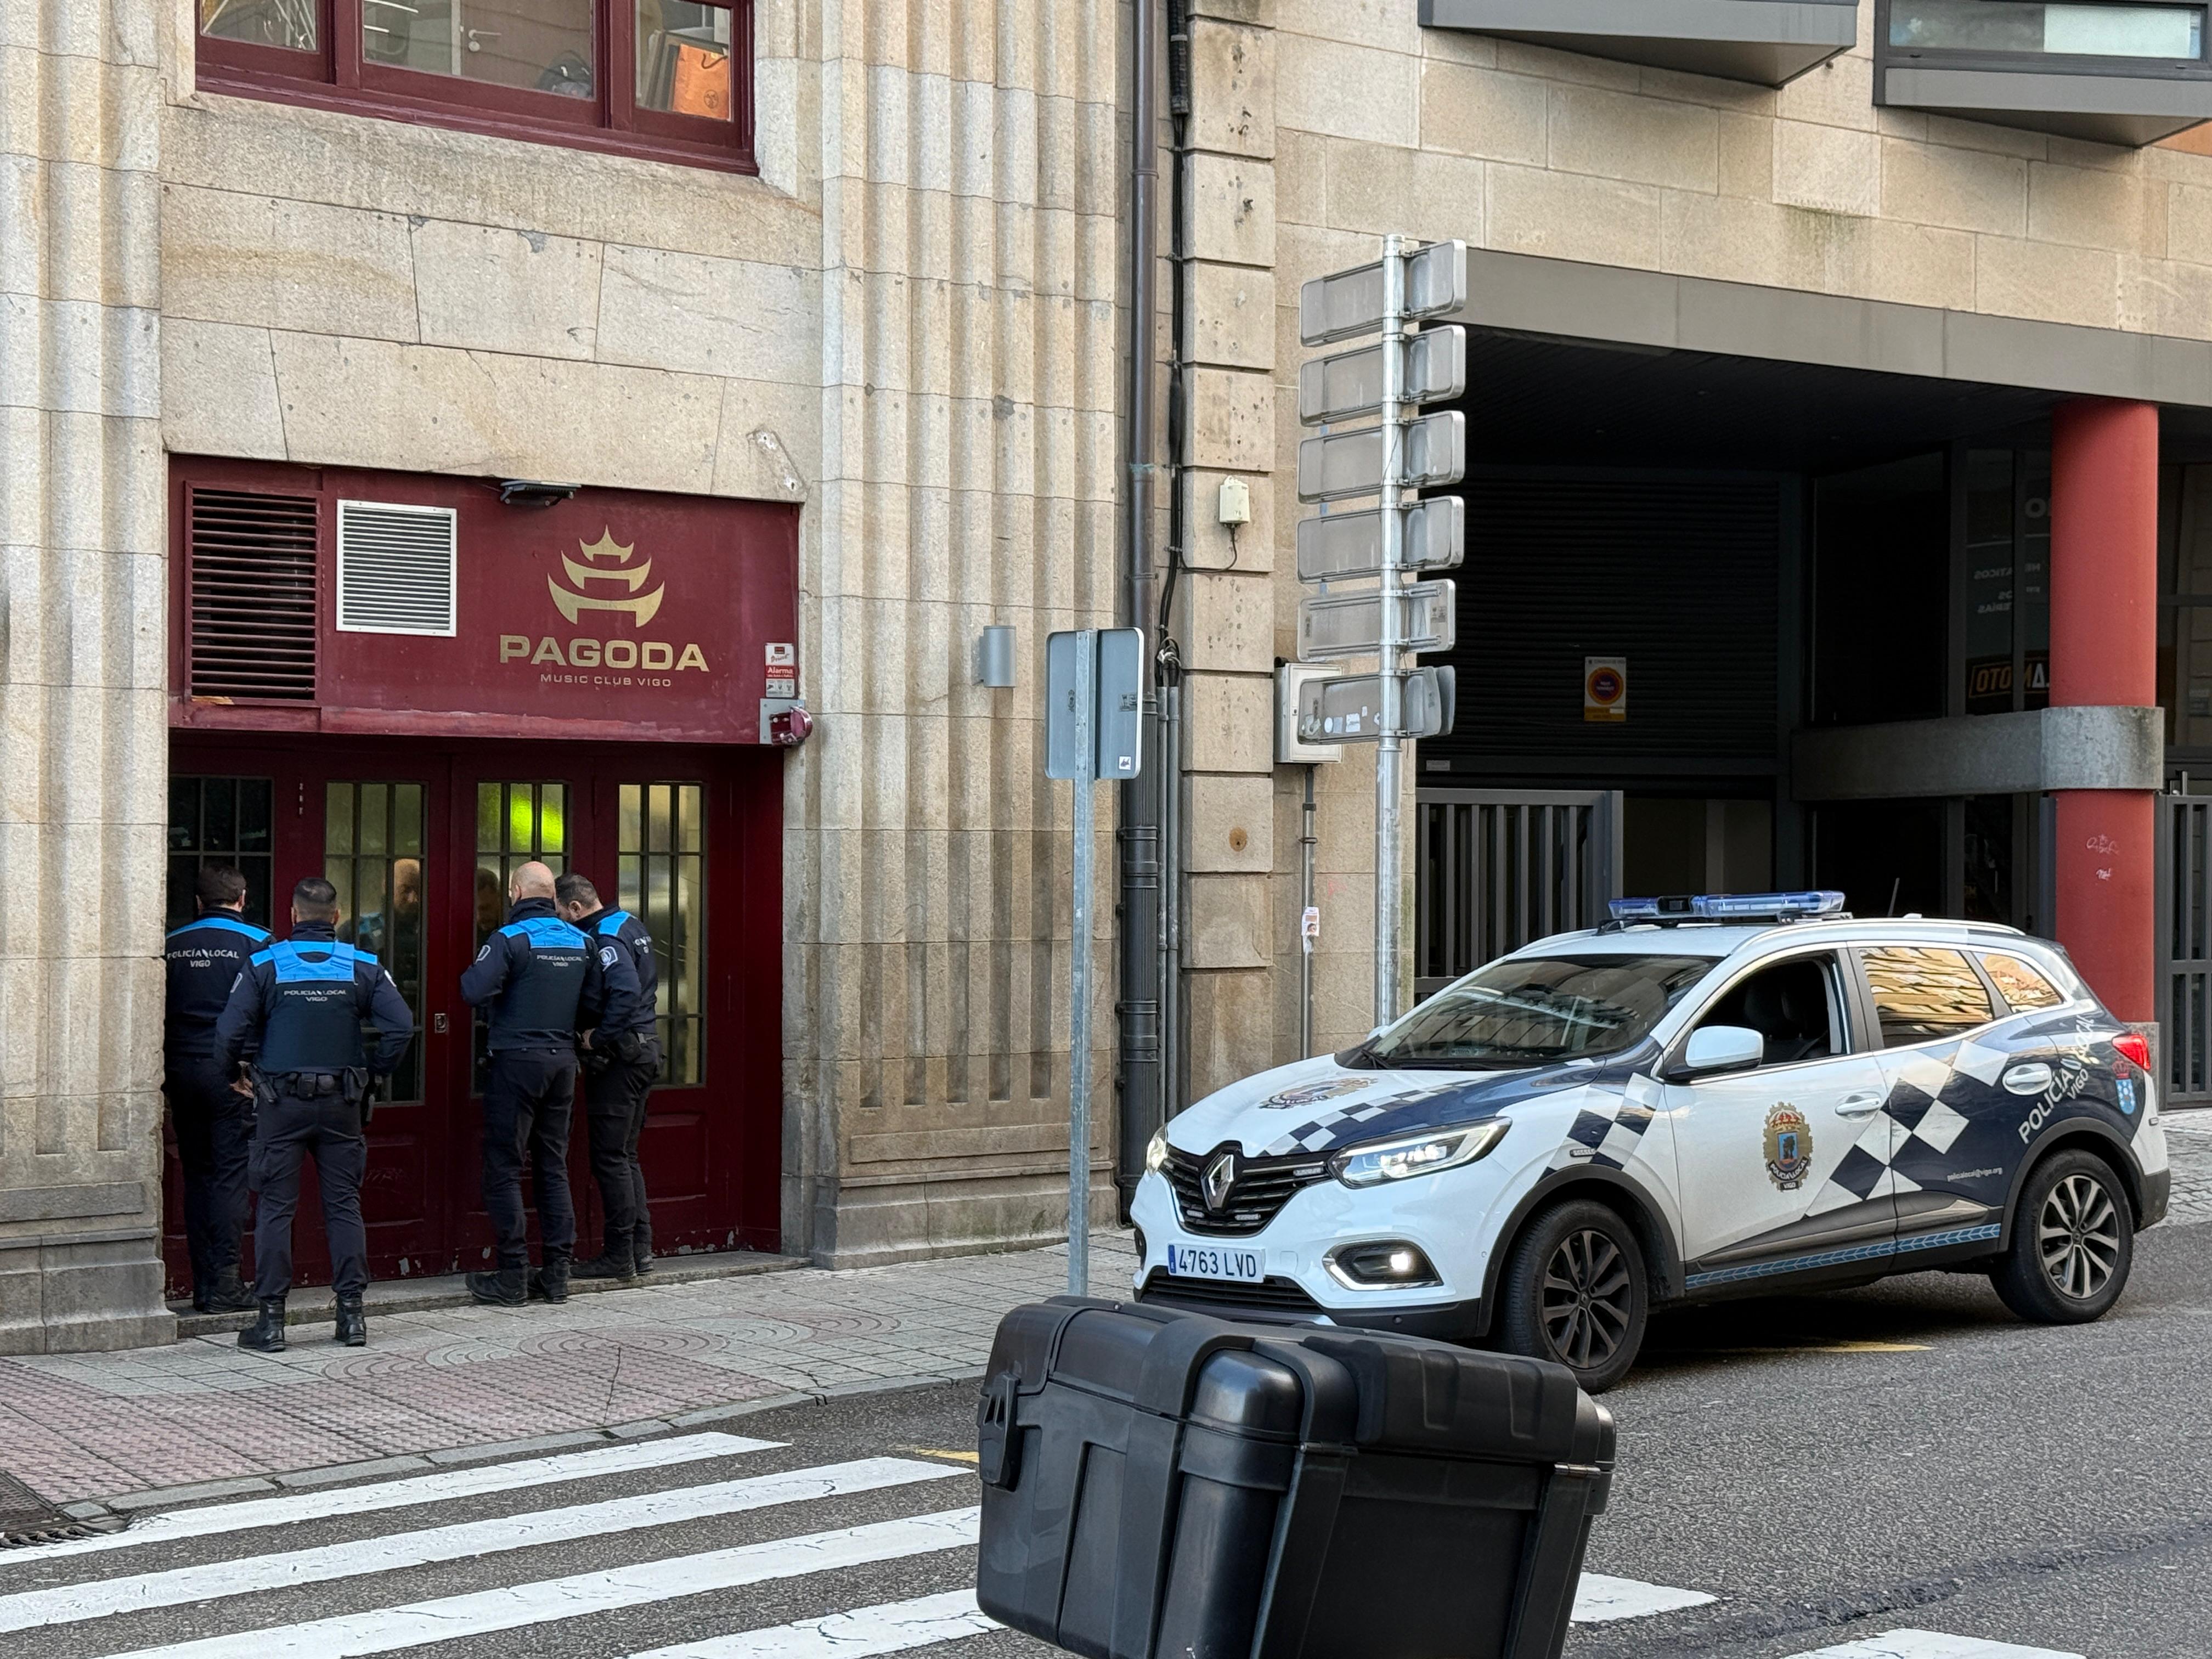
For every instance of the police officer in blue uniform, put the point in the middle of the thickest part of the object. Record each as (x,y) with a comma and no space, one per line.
(621,1058)
(540,981)
(304,999)
(213,1126)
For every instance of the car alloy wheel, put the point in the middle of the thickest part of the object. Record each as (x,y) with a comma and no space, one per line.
(2078,1237)
(1586,1299)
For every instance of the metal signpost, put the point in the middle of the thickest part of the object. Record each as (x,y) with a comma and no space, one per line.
(1094,702)
(1403,451)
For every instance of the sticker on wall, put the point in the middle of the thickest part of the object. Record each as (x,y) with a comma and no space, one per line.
(1605,688)
(782,669)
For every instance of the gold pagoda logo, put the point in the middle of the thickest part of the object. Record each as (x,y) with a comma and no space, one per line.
(640,606)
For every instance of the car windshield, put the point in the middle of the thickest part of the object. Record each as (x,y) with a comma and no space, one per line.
(1532,1011)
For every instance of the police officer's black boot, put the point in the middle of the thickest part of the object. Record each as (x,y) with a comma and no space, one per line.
(225,1295)
(550,1282)
(509,1287)
(266,1333)
(353,1324)
(613,1265)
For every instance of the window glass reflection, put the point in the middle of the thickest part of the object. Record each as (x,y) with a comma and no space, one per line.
(684,58)
(291,25)
(542,45)
(2084,31)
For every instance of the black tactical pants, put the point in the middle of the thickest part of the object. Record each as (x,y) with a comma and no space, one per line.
(614,1113)
(527,1100)
(214,1131)
(291,1128)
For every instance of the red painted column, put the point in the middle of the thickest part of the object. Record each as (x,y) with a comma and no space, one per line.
(2104,651)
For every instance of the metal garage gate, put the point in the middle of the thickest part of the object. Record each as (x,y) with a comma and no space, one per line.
(1499,867)
(2184,948)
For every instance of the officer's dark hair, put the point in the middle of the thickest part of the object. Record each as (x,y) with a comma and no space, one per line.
(315,900)
(575,889)
(219,886)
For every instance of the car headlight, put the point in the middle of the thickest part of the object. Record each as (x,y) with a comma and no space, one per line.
(1413,1155)
(1156,1153)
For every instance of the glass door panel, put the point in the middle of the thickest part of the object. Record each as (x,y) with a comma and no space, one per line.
(660,864)
(373,836)
(220,821)
(516,823)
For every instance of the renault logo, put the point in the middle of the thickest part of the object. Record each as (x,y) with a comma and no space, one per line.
(1220,1176)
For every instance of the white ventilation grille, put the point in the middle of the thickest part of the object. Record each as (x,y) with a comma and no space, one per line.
(396,568)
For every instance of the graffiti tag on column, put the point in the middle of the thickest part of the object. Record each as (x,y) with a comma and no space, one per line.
(2100,844)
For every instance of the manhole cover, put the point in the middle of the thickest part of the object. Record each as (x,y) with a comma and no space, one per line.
(28,1518)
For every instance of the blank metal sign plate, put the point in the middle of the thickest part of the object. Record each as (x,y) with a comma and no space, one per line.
(1338,546)
(1351,462)
(1348,709)
(1351,624)
(1349,385)
(1350,302)
(1117,719)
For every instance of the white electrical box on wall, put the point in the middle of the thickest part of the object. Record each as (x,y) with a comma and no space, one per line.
(1289,751)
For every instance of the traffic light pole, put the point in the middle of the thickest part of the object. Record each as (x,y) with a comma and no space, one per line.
(1389,752)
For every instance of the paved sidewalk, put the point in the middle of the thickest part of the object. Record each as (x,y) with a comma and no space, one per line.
(106,1426)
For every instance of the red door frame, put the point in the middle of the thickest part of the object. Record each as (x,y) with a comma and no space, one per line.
(714,1152)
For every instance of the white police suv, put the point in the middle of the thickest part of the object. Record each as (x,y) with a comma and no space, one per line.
(1713,1096)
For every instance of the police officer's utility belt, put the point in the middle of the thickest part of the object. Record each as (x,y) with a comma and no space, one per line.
(308,1086)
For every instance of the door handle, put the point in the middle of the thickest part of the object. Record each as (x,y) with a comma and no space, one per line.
(1862,1104)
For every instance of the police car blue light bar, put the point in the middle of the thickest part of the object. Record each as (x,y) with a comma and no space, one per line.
(1721,907)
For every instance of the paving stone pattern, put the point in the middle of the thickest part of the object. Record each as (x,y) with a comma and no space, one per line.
(82,1426)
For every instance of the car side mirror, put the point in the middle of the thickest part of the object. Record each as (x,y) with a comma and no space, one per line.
(1721,1049)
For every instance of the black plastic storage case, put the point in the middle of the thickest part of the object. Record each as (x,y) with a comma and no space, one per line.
(1159,1484)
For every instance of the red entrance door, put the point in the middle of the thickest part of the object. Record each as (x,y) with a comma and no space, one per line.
(419,836)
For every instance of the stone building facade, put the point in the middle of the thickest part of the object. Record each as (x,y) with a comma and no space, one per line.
(906,326)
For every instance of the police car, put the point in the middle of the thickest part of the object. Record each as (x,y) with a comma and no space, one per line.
(1722,1094)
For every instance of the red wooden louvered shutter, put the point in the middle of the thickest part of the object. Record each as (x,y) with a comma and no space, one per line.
(251,559)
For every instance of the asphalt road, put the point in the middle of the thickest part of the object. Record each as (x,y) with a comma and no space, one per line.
(1827,1469)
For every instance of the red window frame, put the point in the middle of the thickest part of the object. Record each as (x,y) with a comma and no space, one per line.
(338,76)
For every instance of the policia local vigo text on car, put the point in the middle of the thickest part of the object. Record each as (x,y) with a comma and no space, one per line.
(1706,1096)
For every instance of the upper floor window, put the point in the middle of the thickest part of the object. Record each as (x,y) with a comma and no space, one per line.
(662,77)
(2098,29)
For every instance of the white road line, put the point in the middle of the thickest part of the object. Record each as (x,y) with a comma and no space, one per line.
(891,1628)
(440,1488)
(99,1598)
(1600,1599)
(1932,1645)
(449,1619)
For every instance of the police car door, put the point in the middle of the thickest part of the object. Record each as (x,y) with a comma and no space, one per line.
(1771,1158)
(1957,1143)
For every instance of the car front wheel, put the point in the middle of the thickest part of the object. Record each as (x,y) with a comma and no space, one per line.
(2072,1243)
(1574,1292)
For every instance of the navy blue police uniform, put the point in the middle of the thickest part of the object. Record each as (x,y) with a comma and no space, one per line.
(213,1124)
(540,981)
(305,1000)
(619,1070)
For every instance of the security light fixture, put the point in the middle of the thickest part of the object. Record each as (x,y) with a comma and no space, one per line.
(534,492)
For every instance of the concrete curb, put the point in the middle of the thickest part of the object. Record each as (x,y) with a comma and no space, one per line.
(125,1505)
(316,1304)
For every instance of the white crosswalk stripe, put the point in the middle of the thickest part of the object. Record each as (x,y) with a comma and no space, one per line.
(516,1607)
(893,1627)
(445,1486)
(138,1592)
(1932,1645)
(356,1585)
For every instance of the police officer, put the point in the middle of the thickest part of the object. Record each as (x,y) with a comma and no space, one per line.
(213,1126)
(304,999)
(539,981)
(621,1057)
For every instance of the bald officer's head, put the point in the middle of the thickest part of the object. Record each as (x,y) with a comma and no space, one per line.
(530,881)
